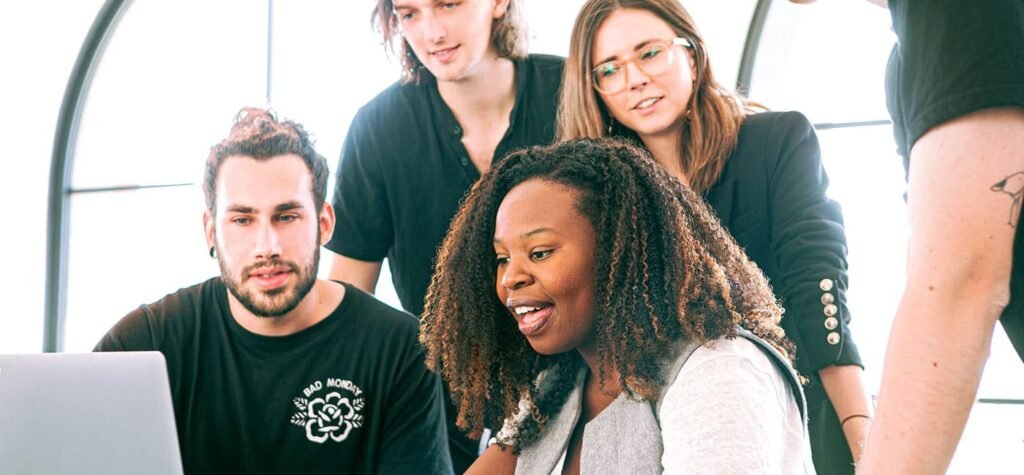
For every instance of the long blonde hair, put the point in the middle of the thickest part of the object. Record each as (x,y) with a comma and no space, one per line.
(715,112)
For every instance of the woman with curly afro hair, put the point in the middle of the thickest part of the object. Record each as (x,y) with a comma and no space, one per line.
(582,286)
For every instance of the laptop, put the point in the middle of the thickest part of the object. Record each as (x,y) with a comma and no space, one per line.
(87,413)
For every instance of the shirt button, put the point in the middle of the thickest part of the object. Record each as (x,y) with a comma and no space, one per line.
(825,285)
(827,298)
(831,323)
(464,162)
(833,338)
(830,310)
(456,130)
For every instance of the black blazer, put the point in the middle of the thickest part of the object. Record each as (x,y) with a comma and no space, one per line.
(772,198)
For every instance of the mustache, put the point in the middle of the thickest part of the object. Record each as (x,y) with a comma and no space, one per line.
(247,271)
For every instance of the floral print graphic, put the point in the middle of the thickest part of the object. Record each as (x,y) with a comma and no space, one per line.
(330,417)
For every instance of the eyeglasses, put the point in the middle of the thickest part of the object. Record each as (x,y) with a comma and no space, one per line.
(652,59)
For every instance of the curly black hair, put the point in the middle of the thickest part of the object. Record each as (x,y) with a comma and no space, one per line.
(665,271)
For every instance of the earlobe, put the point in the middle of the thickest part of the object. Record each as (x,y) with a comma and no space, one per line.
(691,54)
(326,223)
(208,227)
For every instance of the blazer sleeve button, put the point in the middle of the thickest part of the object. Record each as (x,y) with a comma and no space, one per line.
(833,338)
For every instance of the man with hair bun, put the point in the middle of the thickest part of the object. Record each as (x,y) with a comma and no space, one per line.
(273,370)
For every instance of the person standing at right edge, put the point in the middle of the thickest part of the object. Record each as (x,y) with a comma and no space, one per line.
(955,90)
(469,94)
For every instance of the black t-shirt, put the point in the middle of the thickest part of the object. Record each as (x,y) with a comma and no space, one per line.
(954,57)
(403,171)
(350,394)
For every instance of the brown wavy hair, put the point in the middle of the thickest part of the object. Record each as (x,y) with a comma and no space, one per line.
(508,36)
(715,112)
(665,271)
(259,134)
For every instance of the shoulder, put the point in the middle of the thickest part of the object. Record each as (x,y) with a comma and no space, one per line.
(380,125)
(776,122)
(398,101)
(545,61)
(731,405)
(194,294)
(183,306)
(739,353)
(146,327)
(775,139)
(378,319)
(735,376)
(544,71)
(736,367)
(395,95)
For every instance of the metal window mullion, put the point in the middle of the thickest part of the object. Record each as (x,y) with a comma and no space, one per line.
(61,166)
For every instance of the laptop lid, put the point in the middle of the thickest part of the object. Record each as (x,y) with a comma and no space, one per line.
(84,413)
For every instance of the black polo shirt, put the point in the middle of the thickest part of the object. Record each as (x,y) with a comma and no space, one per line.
(403,171)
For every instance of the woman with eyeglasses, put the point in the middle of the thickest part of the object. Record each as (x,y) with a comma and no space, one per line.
(639,69)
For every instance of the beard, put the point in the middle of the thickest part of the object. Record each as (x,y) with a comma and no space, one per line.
(276,302)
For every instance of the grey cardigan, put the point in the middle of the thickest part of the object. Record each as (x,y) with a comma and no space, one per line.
(625,419)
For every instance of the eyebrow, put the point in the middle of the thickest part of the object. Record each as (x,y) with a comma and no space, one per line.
(637,47)
(531,233)
(399,5)
(286,206)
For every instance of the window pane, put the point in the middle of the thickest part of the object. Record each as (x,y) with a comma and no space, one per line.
(867,179)
(171,78)
(826,60)
(38,52)
(129,248)
(327,61)
(991,441)
(724,28)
